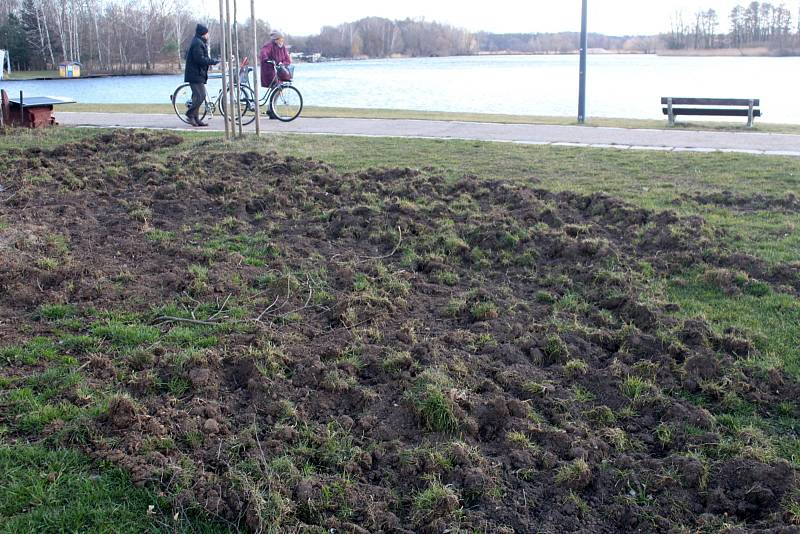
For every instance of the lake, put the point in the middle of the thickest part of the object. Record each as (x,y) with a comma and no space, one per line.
(628,86)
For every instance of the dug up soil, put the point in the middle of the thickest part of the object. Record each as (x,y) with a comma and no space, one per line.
(385,351)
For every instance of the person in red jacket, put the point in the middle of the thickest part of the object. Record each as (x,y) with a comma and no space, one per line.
(275,50)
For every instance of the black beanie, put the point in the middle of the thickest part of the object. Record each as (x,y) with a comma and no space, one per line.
(200,30)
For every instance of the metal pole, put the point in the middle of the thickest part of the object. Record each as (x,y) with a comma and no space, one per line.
(223,60)
(231,93)
(584,46)
(256,61)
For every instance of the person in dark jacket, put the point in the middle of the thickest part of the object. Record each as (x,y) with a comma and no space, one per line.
(197,63)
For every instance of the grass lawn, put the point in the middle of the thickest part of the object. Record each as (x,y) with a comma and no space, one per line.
(43,489)
(31,74)
(333,112)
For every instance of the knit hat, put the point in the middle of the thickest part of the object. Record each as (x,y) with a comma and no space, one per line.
(200,30)
(275,35)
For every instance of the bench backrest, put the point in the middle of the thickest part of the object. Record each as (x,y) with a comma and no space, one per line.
(711,101)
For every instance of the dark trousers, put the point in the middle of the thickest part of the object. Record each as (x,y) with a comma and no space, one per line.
(198,98)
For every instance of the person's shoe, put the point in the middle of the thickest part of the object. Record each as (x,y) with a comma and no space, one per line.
(198,122)
(191,120)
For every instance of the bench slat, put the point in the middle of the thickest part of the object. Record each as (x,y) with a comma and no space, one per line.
(720,112)
(711,101)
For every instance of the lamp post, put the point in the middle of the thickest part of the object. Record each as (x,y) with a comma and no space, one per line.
(584,46)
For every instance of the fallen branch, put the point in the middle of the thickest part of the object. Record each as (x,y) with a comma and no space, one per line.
(170,319)
(267,309)
(221,308)
(389,255)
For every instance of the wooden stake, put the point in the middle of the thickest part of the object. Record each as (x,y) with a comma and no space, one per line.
(223,61)
(231,93)
(238,65)
(256,64)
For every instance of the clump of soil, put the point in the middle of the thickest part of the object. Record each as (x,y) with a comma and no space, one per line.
(388,351)
(757,202)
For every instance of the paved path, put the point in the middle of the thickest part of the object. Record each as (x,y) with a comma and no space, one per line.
(620,138)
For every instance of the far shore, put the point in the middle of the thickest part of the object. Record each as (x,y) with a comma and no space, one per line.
(715,52)
(731,52)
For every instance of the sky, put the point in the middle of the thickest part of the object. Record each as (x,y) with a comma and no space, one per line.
(611,17)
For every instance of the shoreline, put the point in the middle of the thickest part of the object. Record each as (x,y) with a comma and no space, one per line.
(717,52)
(730,52)
(88,76)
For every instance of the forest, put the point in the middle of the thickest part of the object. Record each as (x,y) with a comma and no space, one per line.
(140,36)
(757,24)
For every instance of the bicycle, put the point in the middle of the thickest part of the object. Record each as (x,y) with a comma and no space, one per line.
(282,100)
(182,100)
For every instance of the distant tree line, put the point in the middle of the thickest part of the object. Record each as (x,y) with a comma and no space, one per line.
(105,35)
(754,25)
(150,35)
(380,37)
(561,43)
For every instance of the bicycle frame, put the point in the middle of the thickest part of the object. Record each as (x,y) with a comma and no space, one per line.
(274,84)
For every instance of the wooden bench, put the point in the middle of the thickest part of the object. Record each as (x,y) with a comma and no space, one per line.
(733,107)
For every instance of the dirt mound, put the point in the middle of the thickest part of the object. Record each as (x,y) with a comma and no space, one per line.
(789,203)
(387,351)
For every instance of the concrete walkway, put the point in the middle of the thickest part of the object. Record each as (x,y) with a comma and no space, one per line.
(535,134)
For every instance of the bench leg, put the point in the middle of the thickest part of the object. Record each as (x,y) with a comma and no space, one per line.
(750,115)
(670,114)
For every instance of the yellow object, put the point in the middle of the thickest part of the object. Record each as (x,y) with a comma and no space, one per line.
(70,69)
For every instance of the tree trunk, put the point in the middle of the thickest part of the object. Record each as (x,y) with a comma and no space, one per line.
(97,36)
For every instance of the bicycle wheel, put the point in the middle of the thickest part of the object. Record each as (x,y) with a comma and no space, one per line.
(286,103)
(245,104)
(182,101)
(247,99)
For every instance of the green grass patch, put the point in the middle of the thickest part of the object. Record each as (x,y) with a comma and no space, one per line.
(35,350)
(258,249)
(771,320)
(378,113)
(192,337)
(31,75)
(54,312)
(57,490)
(434,407)
(126,335)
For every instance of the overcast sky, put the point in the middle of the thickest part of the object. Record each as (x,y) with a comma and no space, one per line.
(612,17)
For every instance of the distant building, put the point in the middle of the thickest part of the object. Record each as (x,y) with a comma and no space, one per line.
(308,58)
(69,69)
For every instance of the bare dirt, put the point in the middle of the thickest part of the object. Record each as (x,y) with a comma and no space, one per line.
(394,352)
(788,203)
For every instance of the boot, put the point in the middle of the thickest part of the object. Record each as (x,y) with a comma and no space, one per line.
(191,120)
(198,122)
